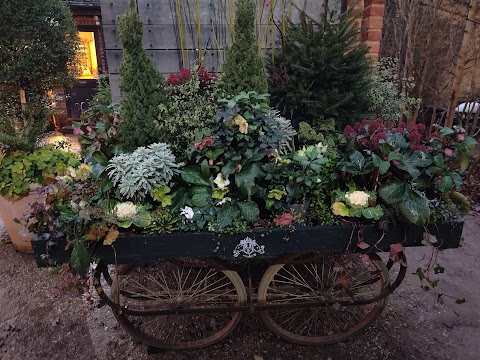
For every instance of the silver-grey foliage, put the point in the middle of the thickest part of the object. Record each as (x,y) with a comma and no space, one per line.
(147,168)
(284,126)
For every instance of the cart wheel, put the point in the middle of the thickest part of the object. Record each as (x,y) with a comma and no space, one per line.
(319,277)
(176,286)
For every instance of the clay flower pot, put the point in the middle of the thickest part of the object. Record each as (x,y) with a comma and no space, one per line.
(11,209)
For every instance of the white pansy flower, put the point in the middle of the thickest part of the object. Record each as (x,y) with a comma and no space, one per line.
(125,210)
(358,198)
(221,182)
(224,201)
(187,211)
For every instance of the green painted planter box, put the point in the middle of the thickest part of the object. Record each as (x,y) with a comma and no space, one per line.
(257,243)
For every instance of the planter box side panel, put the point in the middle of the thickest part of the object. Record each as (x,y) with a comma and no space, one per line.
(448,236)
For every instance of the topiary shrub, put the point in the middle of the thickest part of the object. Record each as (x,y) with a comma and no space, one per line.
(243,69)
(140,84)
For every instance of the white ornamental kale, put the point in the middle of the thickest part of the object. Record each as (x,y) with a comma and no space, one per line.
(125,211)
(147,168)
(357,198)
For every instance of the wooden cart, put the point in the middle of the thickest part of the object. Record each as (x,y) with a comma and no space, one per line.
(311,285)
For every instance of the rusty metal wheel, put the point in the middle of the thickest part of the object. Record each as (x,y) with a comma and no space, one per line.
(177,305)
(335,278)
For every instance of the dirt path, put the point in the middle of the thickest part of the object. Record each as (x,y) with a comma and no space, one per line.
(40,321)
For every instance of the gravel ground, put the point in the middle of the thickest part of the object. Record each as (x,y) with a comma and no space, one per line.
(40,320)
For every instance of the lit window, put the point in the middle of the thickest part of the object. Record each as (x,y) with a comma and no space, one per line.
(88,66)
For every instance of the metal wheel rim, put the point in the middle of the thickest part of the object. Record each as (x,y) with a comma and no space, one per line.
(284,329)
(158,331)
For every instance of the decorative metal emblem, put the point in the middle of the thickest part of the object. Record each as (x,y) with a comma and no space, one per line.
(249,248)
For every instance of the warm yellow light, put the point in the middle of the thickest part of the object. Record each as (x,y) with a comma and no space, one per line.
(87,56)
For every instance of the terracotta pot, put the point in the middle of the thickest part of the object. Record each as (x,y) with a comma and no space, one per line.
(11,209)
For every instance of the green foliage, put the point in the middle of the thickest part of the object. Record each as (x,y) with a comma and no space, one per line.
(20,169)
(408,168)
(386,100)
(191,107)
(97,133)
(320,211)
(443,212)
(20,128)
(101,100)
(356,203)
(237,226)
(284,126)
(322,72)
(457,200)
(243,69)
(139,173)
(79,258)
(140,85)
(38,42)
(163,222)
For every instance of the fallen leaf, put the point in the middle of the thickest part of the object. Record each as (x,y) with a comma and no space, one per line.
(111,236)
(396,249)
(363,245)
(258,357)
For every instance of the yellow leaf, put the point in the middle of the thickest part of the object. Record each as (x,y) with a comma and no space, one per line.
(339,208)
(111,236)
(257,357)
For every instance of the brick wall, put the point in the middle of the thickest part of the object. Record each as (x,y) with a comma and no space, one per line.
(371,23)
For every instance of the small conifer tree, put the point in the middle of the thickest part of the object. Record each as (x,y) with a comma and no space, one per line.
(243,69)
(141,84)
(322,72)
